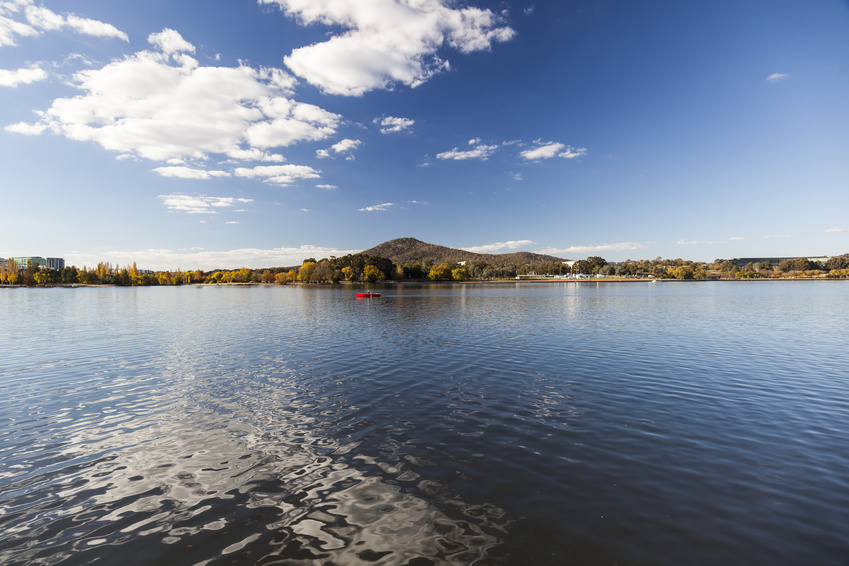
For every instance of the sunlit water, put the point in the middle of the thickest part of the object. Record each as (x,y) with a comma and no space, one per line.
(644,424)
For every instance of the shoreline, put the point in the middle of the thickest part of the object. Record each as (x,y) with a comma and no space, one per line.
(583,281)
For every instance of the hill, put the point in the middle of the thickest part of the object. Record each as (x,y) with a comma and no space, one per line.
(409,250)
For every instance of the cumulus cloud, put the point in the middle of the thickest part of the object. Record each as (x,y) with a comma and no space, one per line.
(775,77)
(385,42)
(162,105)
(39,18)
(199,204)
(392,124)
(170,42)
(547,150)
(616,247)
(340,147)
(282,175)
(161,259)
(497,246)
(21,76)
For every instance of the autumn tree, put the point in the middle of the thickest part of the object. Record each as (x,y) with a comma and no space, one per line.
(441,271)
(372,274)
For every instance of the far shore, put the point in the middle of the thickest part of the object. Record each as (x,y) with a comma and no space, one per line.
(581,281)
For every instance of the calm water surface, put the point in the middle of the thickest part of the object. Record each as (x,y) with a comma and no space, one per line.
(551,424)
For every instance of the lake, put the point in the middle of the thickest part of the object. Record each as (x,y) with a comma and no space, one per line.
(490,424)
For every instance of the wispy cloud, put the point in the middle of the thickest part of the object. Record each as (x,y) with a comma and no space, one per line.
(775,77)
(837,230)
(328,187)
(392,124)
(283,175)
(616,247)
(477,151)
(380,43)
(378,207)
(189,173)
(39,19)
(498,246)
(405,205)
(199,204)
(21,76)
(547,150)
(776,237)
(698,243)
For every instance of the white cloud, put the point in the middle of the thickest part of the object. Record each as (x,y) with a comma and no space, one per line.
(697,243)
(232,222)
(378,207)
(282,175)
(547,150)
(737,238)
(339,147)
(571,152)
(617,247)
(163,105)
(199,204)
(392,124)
(386,41)
(10,29)
(328,187)
(836,230)
(775,77)
(494,248)
(776,237)
(189,173)
(478,152)
(516,176)
(26,128)
(40,18)
(170,42)
(346,145)
(161,259)
(21,76)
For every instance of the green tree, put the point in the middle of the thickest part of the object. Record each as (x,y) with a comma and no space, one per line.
(69,275)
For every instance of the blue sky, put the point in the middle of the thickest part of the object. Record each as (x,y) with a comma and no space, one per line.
(202,134)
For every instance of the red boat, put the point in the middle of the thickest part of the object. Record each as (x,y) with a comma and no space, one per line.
(367,295)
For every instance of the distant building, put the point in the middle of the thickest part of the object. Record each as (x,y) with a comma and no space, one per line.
(23,262)
(741,261)
(48,263)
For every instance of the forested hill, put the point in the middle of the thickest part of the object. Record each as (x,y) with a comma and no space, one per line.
(409,250)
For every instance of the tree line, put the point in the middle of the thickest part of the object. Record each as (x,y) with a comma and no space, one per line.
(365,268)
